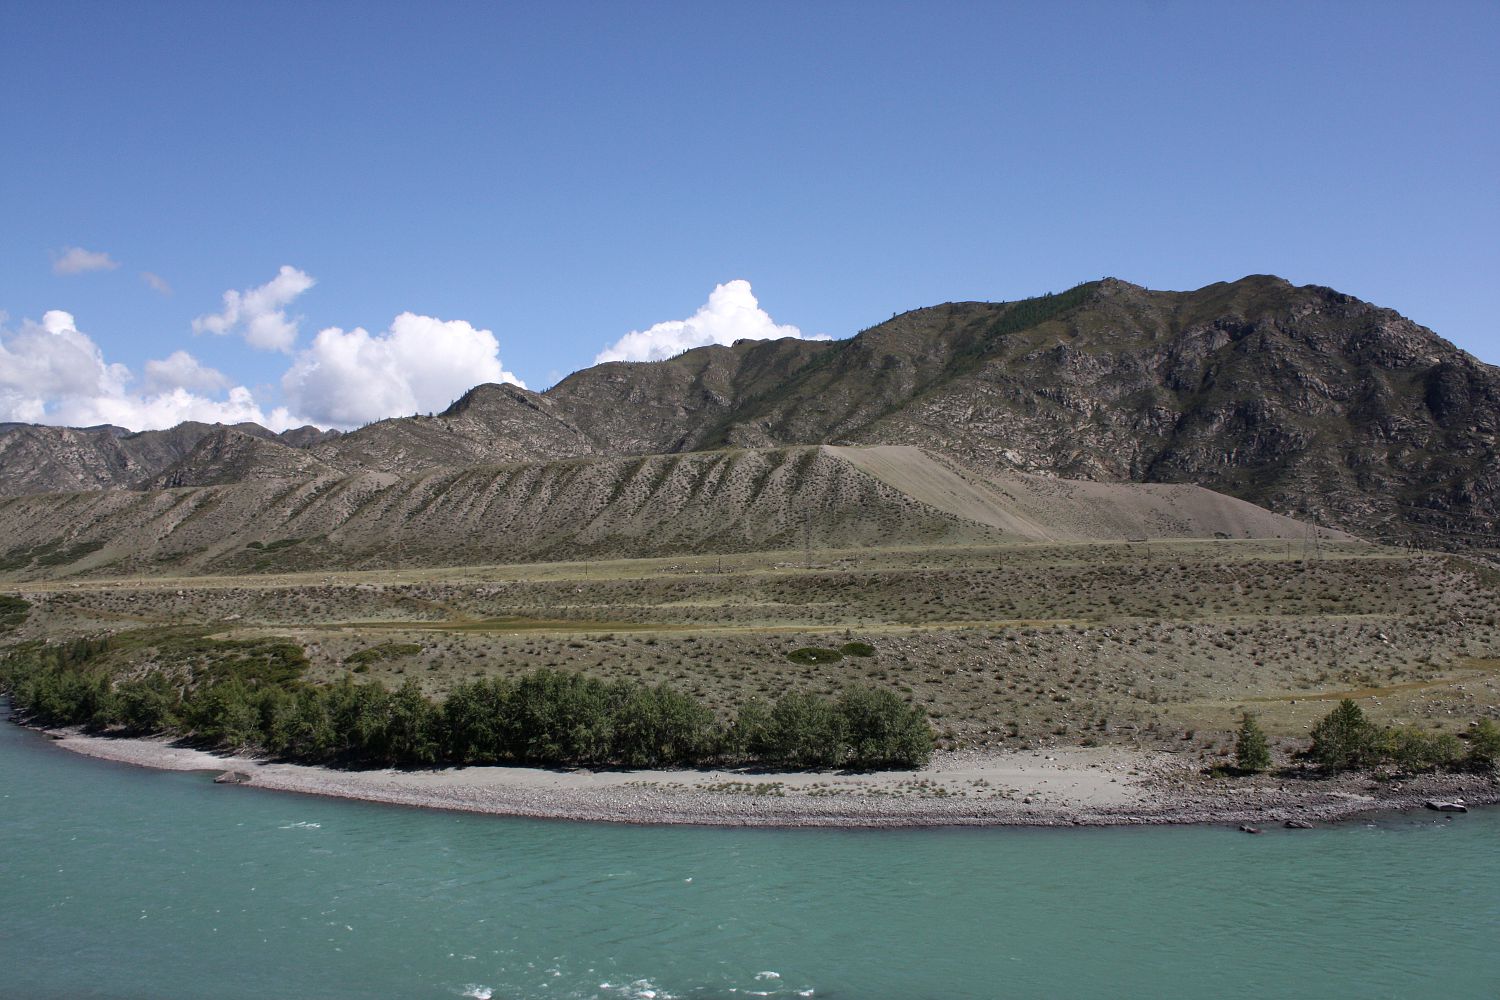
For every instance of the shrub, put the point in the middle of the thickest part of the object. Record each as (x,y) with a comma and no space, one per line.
(1414,750)
(474,716)
(412,734)
(379,654)
(148,705)
(806,731)
(1252,752)
(658,725)
(557,717)
(857,649)
(750,735)
(13,611)
(812,655)
(883,731)
(1344,739)
(1484,746)
(224,715)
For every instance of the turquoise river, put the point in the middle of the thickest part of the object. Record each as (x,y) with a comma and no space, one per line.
(121,882)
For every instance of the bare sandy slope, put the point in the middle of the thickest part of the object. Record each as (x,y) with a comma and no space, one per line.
(729,501)
(1093,787)
(1043,509)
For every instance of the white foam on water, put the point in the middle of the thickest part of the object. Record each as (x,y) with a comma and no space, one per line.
(768,975)
(479,992)
(641,989)
(303,826)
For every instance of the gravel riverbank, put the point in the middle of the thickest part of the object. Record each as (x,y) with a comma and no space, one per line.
(1101,786)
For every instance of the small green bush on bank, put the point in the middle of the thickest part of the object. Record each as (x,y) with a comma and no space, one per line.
(1344,740)
(13,611)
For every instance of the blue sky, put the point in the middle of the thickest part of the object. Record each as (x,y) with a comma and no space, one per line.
(561,175)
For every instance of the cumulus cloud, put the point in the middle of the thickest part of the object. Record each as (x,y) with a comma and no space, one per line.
(157,282)
(421,364)
(259,314)
(731,313)
(180,370)
(77,260)
(51,373)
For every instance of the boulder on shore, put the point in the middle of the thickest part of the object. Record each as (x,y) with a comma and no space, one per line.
(1446,807)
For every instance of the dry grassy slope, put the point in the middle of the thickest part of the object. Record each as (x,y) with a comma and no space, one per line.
(1045,509)
(726,501)
(735,500)
(1003,644)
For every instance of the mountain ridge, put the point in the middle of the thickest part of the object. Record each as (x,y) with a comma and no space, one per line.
(1301,399)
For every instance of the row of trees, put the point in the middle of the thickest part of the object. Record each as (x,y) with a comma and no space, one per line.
(548,717)
(1345,740)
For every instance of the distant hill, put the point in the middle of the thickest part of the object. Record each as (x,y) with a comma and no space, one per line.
(39,459)
(730,500)
(1302,400)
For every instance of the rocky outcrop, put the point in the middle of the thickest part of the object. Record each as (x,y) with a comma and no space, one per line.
(490,424)
(228,455)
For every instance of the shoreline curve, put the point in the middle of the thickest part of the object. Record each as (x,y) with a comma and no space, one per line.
(1061,787)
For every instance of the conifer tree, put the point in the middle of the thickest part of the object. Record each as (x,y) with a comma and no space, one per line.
(1252,752)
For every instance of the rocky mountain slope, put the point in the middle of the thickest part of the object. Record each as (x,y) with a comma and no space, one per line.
(491,424)
(41,459)
(231,455)
(1300,399)
(729,500)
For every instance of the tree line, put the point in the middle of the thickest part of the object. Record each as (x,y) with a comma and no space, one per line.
(547,717)
(1345,740)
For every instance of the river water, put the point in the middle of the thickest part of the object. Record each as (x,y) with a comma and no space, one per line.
(121,882)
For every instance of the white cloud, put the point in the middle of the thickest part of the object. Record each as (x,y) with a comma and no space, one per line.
(77,260)
(51,373)
(157,282)
(731,313)
(421,364)
(260,313)
(180,370)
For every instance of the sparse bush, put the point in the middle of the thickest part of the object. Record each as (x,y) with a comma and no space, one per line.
(381,653)
(812,655)
(1484,746)
(857,649)
(13,611)
(1414,750)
